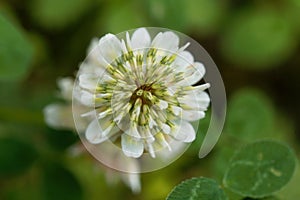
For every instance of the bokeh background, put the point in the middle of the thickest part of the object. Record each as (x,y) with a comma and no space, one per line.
(255,44)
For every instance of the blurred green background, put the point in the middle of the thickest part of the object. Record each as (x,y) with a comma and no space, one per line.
(255,44)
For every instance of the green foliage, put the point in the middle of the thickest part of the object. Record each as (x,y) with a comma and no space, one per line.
(293,14)
(16,157)
(256,171)
(197,189)
(61,139)
(260,169)
(162,186)
(250,116)
(258,39)
(118,20)
(205,16)
(56,14)
(41,40)
(291,191)
(60,183)
(167,13)
(15,52)
(221,160)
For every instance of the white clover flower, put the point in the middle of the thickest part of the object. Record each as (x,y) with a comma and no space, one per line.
(142,92)
(59,116)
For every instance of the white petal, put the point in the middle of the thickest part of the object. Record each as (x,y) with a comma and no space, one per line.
(88,81)
(152,122)
(200,101)
(107,78)
(99,131)
(133,132)
(166,128)
(195,73)
(89,114)
(176,110)
(110,47)
(134,182)
(87,98)
(146,134)
(175,145)
(151,150)
(163,104)
(195,101)
(93,44)
(192,115)
(140,39)
(184,47)
(130,179)
(94,56)
(93,132)
(55,115)
(90,68)
(131,147)
(200,88)
(183,60)
(66,87)
(77,95)
(96,59)
(123,46)
(186,133)
(128,40)
(166,41)
(105,113)
(203,99)
(59,116)
(160,139)
(200,69)
(171,90)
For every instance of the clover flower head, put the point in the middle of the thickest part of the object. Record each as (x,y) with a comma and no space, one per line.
(59,116)
(141,91)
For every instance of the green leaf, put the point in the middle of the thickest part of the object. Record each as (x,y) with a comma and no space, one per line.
(56,14)
(197,189)
(258,39)
(167,13)
(291,191)
(220,160)
(260,169)
(250,116)
(293,14)
(15,52)
(60,184)
(205,16)
(118,20)
(61,139)
(16,157)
